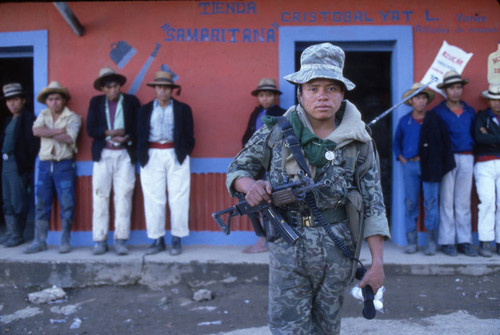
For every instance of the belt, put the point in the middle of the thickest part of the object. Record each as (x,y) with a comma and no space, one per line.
(114,146)
(159,145)
(306,218)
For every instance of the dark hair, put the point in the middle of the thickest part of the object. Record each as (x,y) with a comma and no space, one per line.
(342,86)
(110,80)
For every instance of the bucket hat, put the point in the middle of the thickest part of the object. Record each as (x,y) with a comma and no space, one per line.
(12,90)
(493,92)
(416,86)
(108,73)
(266,84)
(163,78)
(323,60)
(54,87)
(452,77)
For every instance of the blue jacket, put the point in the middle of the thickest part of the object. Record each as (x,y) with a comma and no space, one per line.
(407,137)
(460,128)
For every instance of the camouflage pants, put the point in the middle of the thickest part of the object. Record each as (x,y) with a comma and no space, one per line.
(307,282)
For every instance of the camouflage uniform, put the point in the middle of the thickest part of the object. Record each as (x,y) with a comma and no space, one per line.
(307,281)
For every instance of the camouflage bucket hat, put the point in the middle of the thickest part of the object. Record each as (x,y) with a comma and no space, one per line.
(323,60)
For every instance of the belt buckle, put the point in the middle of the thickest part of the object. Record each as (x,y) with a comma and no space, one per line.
(307,221)
(5,157)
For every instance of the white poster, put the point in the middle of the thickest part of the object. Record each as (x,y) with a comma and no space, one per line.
(448,58)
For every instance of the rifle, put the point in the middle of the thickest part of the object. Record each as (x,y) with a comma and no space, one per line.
(280,196)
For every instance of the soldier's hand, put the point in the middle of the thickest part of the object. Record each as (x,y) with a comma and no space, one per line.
(259,191)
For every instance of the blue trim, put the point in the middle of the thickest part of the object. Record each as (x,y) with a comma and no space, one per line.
(198,166)
(396,39)
(39,42)
(139,237)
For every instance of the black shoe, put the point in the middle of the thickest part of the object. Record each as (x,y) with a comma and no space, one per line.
(467,249)
(176,246)
(449,249)
(498,248)
(100,248)
(157,246)
(485,249)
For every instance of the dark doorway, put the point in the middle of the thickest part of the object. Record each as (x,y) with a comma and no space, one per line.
(16,65)
(371,73)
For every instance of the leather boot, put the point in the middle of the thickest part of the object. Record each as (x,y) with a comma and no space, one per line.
(157,246)
(485,249)
(411,237)
(65,247)
(120,247)
(39,242)
(16,235)
(5,237)
(431,246)
(176,246)
(100,248)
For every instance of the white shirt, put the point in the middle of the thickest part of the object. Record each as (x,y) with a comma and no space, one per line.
(162,123)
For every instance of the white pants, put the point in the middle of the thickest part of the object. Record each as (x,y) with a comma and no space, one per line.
(114,170)
(163,172)
(454,198)
(487,176)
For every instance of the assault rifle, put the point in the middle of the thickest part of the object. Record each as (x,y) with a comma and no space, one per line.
(281,196)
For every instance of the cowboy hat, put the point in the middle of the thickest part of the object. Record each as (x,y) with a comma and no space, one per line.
(163,78)
(416,86)
(12,90)
(452,77)
(107,73)
(323,60)
(493,92)
(54,87)
(266,84)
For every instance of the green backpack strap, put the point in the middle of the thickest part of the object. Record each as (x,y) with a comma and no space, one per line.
(273,137)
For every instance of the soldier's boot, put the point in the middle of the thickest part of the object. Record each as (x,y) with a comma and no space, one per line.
(431,246)
(39,242)
(16,231)
(120,247)
(411,237)
(65,247)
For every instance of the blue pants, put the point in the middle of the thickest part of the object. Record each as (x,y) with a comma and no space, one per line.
(14,189)
(413,182)
(58,176)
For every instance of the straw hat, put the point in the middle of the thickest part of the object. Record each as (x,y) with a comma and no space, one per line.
(12,90)
(493,92)
(108,73)
(266,84)
(323,60)
(452,77)
(416,86)
(163,78)
(54,87)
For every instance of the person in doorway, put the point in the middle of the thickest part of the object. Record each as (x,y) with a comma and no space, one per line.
(456,186)
(19,150)
(487,171)
(422,146)
(111,122)
(307,280)
(267,95)
(165,141)
(58,128)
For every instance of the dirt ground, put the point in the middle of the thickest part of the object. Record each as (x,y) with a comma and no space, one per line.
(235,305)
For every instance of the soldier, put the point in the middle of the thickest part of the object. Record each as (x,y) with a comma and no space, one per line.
(58,128)
(19,150)
(111,122)
(165,141)
(307,280)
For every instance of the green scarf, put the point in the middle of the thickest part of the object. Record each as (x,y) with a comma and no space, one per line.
(313,146)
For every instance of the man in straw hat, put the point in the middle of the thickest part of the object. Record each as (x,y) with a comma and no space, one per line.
(267,95)
(487,171)
(165,141)
(111,122)
(456,186)
(422,145)
(307,280)
(19,150)
(58,128)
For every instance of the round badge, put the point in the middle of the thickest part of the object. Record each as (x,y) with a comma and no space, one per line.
(330,155)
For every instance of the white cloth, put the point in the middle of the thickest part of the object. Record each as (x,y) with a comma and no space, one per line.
(487,175)
(114,170)
(162,123)
(163,172)
(454,198)
(119,120)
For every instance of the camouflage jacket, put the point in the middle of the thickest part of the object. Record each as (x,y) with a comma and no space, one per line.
(283,167)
